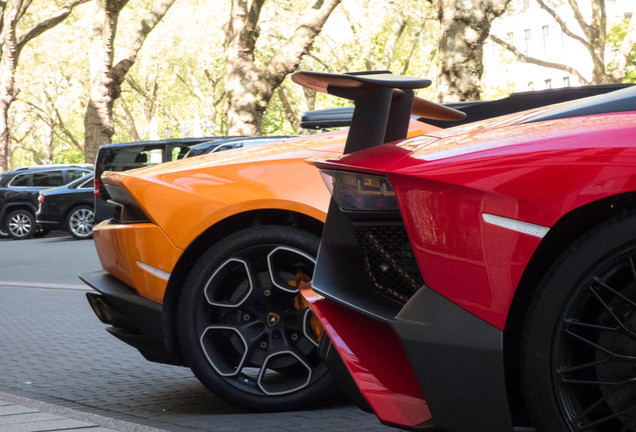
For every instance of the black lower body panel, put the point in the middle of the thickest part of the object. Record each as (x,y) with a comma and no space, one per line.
(134,319)
(458,361)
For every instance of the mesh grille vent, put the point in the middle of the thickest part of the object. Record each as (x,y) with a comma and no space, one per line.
(389,261)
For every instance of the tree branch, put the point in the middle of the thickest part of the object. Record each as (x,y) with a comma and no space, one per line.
(563,25)
(139,89)
(23,8)
(288,56)
(528,59)
(67,133)
(130,121)
(292,113)
(250,31)
(48,23)
(138,38)
(579,18)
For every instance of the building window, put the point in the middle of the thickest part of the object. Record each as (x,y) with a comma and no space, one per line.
(562,41)
(526,40)
(546,38)
(525,5)
(548,83)
(566,81)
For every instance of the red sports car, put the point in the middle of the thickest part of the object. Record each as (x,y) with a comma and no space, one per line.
(484,277)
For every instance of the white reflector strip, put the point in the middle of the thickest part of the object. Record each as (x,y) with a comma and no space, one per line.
(154,271)
(516,225)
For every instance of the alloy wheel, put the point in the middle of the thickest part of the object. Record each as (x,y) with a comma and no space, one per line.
(245,330)
(20,224)
(80,223)
(256,332)
(594,355)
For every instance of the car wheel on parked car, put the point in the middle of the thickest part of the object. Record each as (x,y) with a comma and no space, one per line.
(245,330)
(79,222)
(20,224)
(578,350)
(3,233)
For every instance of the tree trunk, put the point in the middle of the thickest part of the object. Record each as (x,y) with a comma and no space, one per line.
(464,29)
(8,91)
(108,76)
(98,119)
(11,45)
(249,88)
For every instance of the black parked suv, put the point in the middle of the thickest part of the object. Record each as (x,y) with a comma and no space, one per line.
(19,190)
(68,207)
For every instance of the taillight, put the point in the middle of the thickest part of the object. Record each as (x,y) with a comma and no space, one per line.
(96,188)
(360,192)
(40,199)
(130,211)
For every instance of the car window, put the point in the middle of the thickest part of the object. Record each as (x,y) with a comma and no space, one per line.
(123,159)
(48,179)
(75,174)
(88,184)
(179,152)
(20,180)
(154,156)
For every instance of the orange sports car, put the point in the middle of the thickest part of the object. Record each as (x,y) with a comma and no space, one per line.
(202,263)
(204,256)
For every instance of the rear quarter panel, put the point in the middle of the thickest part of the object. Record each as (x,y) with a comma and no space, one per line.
(537,173)
(189,197)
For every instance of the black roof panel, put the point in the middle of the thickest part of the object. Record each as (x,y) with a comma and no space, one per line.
(616,101)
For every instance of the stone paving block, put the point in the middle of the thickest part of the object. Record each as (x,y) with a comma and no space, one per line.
(93,372)
(48,425)
(25,418)
(11,409)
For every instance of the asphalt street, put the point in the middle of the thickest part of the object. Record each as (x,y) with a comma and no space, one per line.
(57,360)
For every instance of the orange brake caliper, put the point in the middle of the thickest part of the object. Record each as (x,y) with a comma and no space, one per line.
(300,303)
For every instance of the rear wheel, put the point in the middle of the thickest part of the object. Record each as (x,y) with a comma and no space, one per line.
(80,222)
(20,224)
(579,342)
(244,328)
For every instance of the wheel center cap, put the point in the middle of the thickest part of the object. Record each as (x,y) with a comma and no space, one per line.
(272,319)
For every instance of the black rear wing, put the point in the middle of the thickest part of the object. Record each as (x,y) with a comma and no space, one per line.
(383,103)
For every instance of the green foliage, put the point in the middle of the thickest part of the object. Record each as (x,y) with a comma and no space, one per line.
(615,37)
(176,87)
(67,154)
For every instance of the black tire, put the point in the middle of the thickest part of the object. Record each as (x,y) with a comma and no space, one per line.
(3,233)
(20,224)
(41,231)
(80,222)
(242,326)
(578,355)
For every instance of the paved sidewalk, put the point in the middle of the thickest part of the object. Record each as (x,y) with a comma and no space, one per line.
(53,349)
(19,414)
